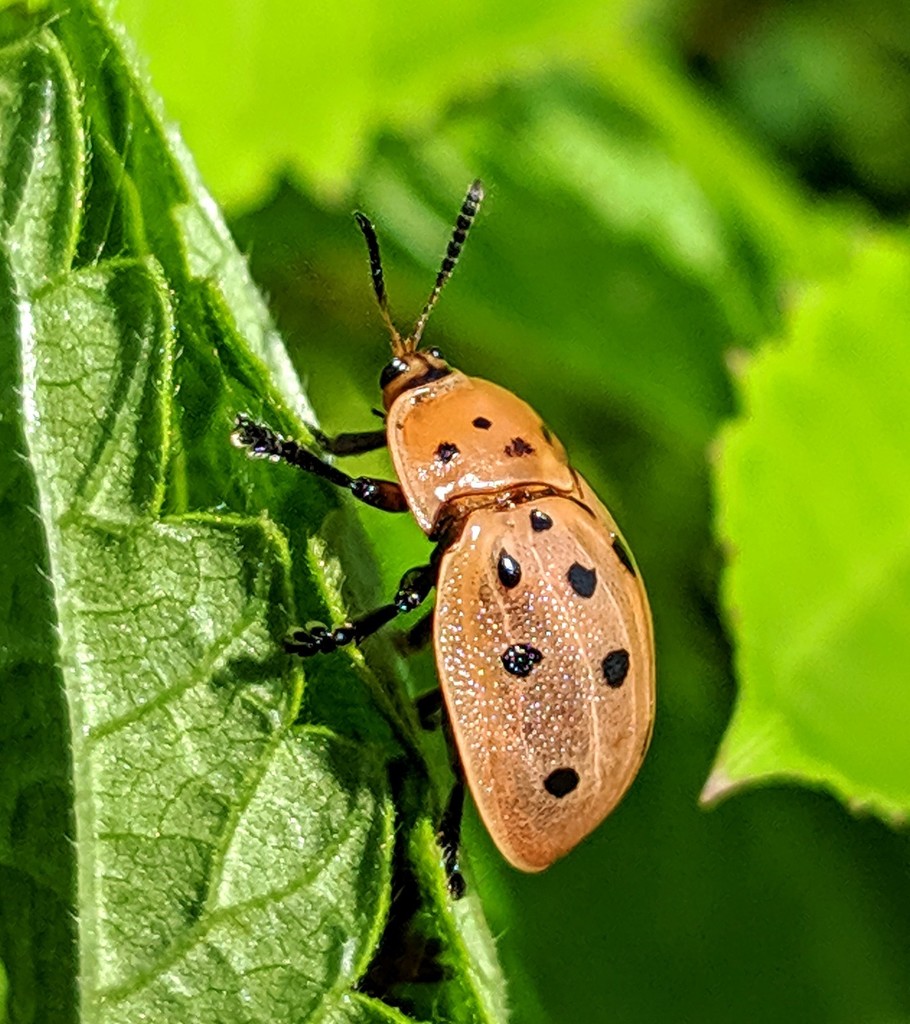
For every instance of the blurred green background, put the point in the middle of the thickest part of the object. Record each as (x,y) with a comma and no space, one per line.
(663,180)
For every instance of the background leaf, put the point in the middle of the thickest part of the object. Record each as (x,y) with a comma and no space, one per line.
(353,68)
(814,507)
(826,84)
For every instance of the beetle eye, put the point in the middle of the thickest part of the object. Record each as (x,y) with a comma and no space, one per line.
(392,370)
(435,353)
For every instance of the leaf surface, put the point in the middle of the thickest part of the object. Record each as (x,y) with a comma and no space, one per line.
(814,504)
(179,839)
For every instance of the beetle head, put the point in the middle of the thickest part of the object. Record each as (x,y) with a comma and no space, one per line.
(411,370)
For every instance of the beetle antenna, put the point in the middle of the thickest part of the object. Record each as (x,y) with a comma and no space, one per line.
(369,233)
(463,224)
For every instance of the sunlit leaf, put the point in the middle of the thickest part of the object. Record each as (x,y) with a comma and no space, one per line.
(814,505)
(179,840)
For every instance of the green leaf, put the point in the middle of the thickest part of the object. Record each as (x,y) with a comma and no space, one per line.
(279,99)
(179,838)
(828,85)
(308,98)
(814,502)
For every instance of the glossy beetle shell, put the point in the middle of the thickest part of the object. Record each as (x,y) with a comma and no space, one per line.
(513,732)
(440,455)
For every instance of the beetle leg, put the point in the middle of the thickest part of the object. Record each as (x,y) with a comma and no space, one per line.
(318,638)
(265,443)
(350,444)
(448,835)
(449,838)
(418,636)
(429,708)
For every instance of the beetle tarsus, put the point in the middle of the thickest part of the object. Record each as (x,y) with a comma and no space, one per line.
(317,638)
(260,440)
(456,885)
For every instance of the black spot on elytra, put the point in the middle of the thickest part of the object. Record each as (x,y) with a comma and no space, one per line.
(518,446)
(482,423)
(519,659)
(509,570)
(623,555)
(446,451)
(616,667)
(582,580)
(561,782)
(540,520)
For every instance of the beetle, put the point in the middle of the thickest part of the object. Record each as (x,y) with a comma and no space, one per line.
(542,629)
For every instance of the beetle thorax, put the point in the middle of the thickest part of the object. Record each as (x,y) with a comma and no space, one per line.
(455,437)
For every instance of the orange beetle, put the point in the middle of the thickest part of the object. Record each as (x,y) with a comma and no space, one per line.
(542,629)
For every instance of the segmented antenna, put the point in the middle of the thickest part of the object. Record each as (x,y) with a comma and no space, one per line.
(369,233)
(466,217)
